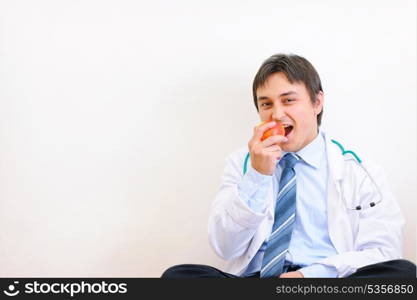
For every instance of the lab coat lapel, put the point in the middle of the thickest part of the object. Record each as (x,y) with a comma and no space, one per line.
(336,215)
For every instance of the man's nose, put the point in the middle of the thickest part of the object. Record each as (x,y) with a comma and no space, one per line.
(278,113)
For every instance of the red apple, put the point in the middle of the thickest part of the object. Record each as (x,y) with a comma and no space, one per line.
(278,129)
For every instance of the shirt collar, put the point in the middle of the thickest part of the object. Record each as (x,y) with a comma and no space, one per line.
(313,152)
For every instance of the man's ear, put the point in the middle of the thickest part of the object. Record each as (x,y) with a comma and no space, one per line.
(318,104)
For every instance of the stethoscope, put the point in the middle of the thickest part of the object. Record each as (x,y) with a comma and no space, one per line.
(352,157)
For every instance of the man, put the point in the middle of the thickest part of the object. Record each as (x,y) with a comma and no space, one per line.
(299,205)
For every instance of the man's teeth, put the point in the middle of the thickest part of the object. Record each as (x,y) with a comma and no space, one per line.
(286,125)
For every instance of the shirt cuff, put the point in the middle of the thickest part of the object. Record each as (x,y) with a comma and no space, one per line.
(319,271)
(253,189)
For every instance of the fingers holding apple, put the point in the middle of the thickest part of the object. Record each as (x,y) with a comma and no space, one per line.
(265,147)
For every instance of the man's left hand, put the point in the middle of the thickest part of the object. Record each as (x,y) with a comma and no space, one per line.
(295,274)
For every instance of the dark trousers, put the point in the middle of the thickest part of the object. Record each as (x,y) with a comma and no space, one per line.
(389,269)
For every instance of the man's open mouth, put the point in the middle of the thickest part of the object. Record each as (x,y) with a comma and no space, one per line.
(288,128)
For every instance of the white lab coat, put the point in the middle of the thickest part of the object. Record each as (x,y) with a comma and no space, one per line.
(360,237)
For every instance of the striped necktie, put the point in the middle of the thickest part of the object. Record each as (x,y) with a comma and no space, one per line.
(279,240)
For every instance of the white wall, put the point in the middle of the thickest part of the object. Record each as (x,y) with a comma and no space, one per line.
(116,118)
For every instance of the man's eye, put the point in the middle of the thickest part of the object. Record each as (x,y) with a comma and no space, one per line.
(265,104)
(289,100)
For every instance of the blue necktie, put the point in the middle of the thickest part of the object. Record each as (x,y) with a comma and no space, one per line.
(279,240)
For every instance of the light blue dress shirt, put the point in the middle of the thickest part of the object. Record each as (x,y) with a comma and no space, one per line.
(310,240)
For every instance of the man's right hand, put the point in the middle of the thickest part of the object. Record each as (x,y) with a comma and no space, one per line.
(264,154)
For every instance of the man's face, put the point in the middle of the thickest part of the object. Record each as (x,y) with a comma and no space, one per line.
(290,103)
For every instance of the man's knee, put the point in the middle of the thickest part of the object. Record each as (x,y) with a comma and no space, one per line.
(195,271)
(393,268)
(407,267)
(173,272)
